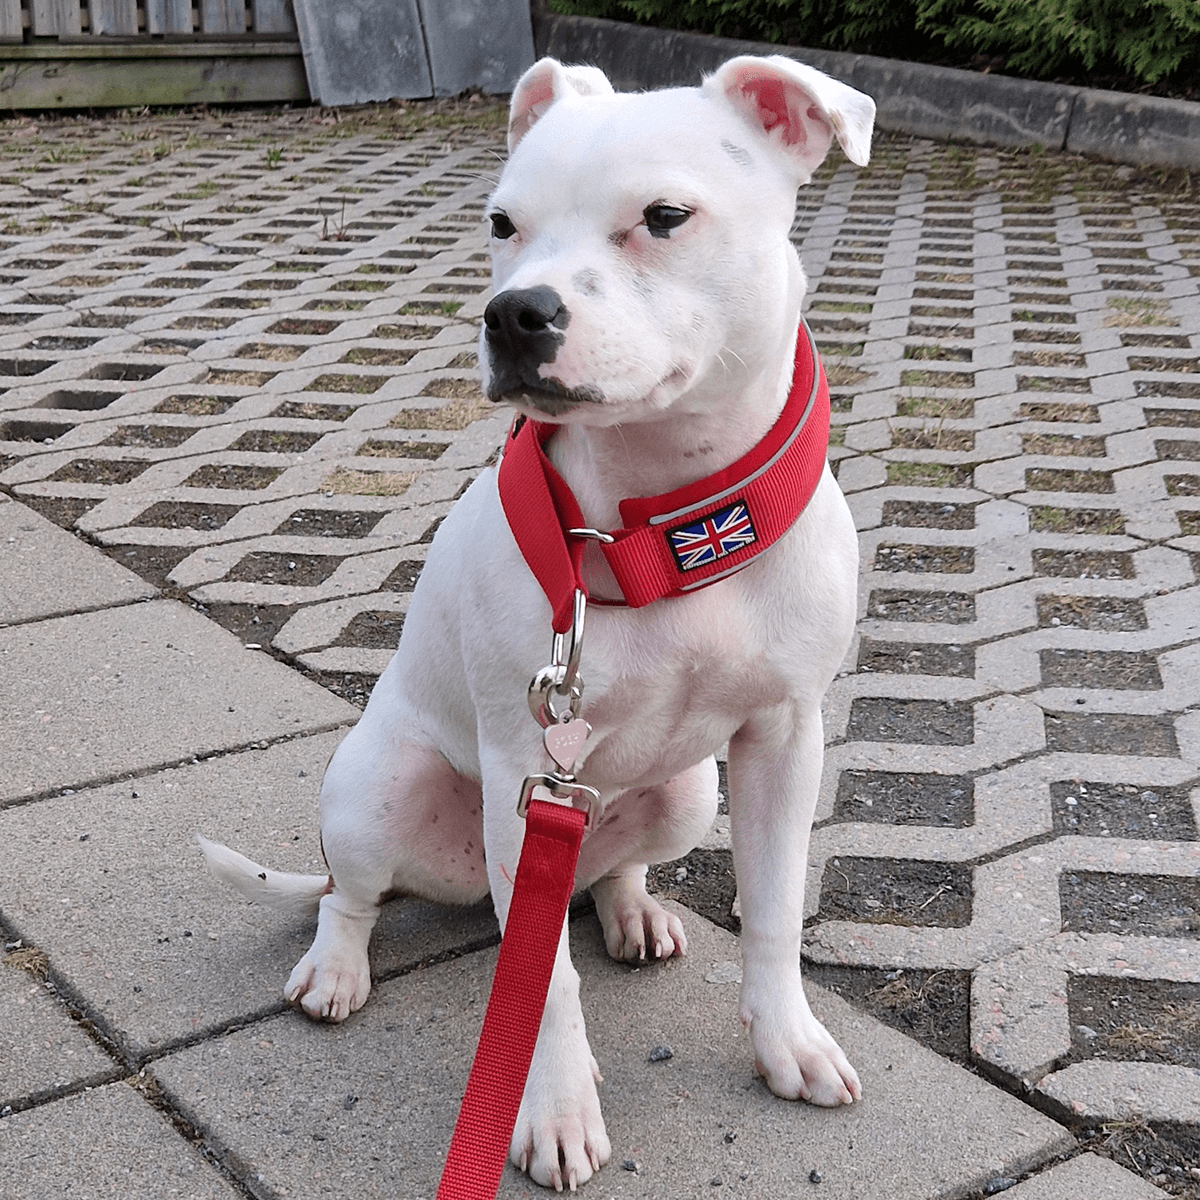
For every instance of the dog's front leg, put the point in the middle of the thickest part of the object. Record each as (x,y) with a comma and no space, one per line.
(774,774)
(559,1137)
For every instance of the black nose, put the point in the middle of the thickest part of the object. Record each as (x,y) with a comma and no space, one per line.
(524,329)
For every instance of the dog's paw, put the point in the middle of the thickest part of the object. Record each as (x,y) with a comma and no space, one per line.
(559,1137)
(329,988)
(799,1059)
(636,926)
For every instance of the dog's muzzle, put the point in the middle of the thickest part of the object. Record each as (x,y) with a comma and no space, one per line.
(524,328)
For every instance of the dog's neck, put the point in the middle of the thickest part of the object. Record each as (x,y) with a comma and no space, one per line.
(700,435)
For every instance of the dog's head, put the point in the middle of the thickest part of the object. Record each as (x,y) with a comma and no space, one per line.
(640,252)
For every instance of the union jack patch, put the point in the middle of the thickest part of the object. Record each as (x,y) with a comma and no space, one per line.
(706,541)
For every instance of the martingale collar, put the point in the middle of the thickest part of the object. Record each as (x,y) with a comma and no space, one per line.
(679,541)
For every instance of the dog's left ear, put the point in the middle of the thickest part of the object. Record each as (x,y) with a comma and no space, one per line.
(799,108)
(544,84)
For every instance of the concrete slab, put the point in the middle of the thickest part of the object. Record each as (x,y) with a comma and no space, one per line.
(92,697)
(105,1142)
(1087,1177)
(370,51)
(45,571)
(41,1049)
(1127,1091)
(112,882)
(367,1108)
(477,43)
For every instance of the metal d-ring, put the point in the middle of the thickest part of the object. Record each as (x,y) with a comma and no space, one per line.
(556,690)
(567,654)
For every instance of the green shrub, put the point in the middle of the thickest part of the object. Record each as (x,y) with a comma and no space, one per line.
(1148,39)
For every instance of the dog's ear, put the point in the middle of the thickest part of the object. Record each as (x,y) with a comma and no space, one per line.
(544,84)
(799,108)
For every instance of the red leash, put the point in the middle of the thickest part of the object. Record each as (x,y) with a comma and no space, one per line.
(545,876)
(670,544)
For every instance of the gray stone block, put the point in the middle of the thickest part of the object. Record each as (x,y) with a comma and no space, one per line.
(112,882)
(916,98)
(107,1142)
(370,50)
(45,571)
(373,1101)
(92,697)
(1087,1177)
(486,44)
(1148,130)
(911,97)
(380,49)
(41,1049)
(1127,1091)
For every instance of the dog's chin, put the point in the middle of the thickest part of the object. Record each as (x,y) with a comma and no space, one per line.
(588,405)
(558,403)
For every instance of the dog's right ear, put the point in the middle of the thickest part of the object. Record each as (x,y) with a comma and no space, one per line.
(798,108)
(544,84)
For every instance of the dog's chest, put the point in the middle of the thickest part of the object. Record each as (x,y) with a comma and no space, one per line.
(658,705)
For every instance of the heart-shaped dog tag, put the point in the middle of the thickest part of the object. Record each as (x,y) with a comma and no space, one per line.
(565,741)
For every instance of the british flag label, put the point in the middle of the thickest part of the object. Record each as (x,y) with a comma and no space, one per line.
(714,537)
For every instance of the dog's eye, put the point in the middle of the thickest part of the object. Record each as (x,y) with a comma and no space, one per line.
(502,227)
(662,218)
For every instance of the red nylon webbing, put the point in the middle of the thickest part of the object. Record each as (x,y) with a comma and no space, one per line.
(545,877)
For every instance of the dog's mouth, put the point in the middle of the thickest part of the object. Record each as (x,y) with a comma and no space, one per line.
(549,399)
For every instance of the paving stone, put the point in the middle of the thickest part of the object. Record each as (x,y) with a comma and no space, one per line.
(119,1146)
(1127,1091)
(146,685)
(988,320)
(111,880)
(41,1049)
(45,572)
(1088,1177)
(719,1124)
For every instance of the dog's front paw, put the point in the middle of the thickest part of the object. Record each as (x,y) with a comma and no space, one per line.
(798,1058)
(559,1137)
(329,987)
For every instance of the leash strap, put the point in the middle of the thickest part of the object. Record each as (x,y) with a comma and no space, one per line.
(678,541)
(545,877)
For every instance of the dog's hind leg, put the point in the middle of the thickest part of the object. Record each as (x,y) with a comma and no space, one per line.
(639,827)
(402,822)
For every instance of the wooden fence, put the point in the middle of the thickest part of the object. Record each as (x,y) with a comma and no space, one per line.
(71,20)
(118,53)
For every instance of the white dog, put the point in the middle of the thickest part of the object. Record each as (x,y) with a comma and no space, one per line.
(648,302)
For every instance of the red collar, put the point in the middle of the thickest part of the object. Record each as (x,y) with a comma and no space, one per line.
(679,541)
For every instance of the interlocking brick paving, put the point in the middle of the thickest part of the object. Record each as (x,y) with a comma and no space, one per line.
(237,351)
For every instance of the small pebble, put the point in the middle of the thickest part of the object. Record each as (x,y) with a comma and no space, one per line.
(630,1166)
(814,1176)
(661,1054)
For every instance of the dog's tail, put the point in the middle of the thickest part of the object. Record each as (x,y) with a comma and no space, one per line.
(276,889)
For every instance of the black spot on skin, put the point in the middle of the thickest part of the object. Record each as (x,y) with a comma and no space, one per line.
(587,281)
